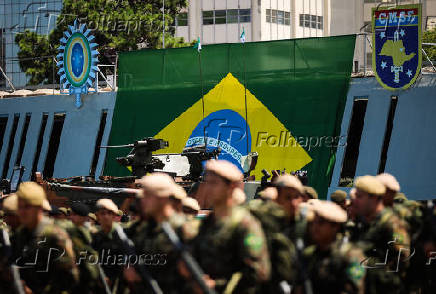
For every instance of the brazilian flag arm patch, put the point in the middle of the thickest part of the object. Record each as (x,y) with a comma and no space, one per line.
(355,272)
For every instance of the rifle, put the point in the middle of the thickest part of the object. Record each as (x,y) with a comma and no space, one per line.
(196,272)
(306,281)
(130,250)
(103,279)
(14,269)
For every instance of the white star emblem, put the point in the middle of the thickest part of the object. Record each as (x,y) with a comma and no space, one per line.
(409,73)
(401,49)
(402,33)
(383,64)
(382,35)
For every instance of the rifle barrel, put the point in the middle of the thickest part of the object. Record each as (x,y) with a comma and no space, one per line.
(190,262)
(129,247)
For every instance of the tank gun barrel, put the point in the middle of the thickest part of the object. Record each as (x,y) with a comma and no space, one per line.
(118,146)
(95,190)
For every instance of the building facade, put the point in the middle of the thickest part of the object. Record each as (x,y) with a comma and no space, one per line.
(354,17)
(222,21)
(17,16)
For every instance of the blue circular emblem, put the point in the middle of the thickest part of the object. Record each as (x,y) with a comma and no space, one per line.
(225,129)
(77,59)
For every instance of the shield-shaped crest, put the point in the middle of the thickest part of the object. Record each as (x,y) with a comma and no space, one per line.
(396,57)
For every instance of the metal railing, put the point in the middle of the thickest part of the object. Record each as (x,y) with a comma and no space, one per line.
(363,54)
(12,80)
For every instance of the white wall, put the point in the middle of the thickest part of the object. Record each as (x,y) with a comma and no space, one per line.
(346,18)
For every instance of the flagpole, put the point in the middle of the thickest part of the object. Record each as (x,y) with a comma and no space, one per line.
(202,89)
(245,90)
(201,81)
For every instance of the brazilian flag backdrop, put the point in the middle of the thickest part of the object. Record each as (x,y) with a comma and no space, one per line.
(291,92)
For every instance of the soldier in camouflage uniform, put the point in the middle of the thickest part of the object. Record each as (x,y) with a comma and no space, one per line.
(339,197)
(10,206)
(230,246)
(41,249)
(108,244)
(290,191)
(332,265)
(153,248)
(422,272)
(282,253)
(410,211)
(11,223)
(383,236)
(85,254)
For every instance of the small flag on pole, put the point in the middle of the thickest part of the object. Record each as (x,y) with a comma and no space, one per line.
(198,45)
(242,37)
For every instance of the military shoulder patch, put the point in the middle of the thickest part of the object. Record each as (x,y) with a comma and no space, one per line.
(253,242)
(355,271)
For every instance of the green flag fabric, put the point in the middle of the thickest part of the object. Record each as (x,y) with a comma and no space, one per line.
(282,99)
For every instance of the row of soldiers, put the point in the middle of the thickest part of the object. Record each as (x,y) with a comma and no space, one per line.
(284,241)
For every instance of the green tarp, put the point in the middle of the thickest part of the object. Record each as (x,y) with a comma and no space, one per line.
(295,91)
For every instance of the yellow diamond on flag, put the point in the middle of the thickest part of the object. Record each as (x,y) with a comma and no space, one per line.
(276,146)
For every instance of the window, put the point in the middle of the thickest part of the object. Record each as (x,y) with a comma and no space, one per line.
(23,139)
(220,16)
(182,19)
(232,16)
(287,18)
(310,21)
(10,145)
(244,15)
(98,143)
(207,17)
(226,16)
(39,145)
(274,16)
(313,21)
(388,133)
(355,129)
(280,17)
(53,145)
(319,22)
(3,124)
(307,20)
